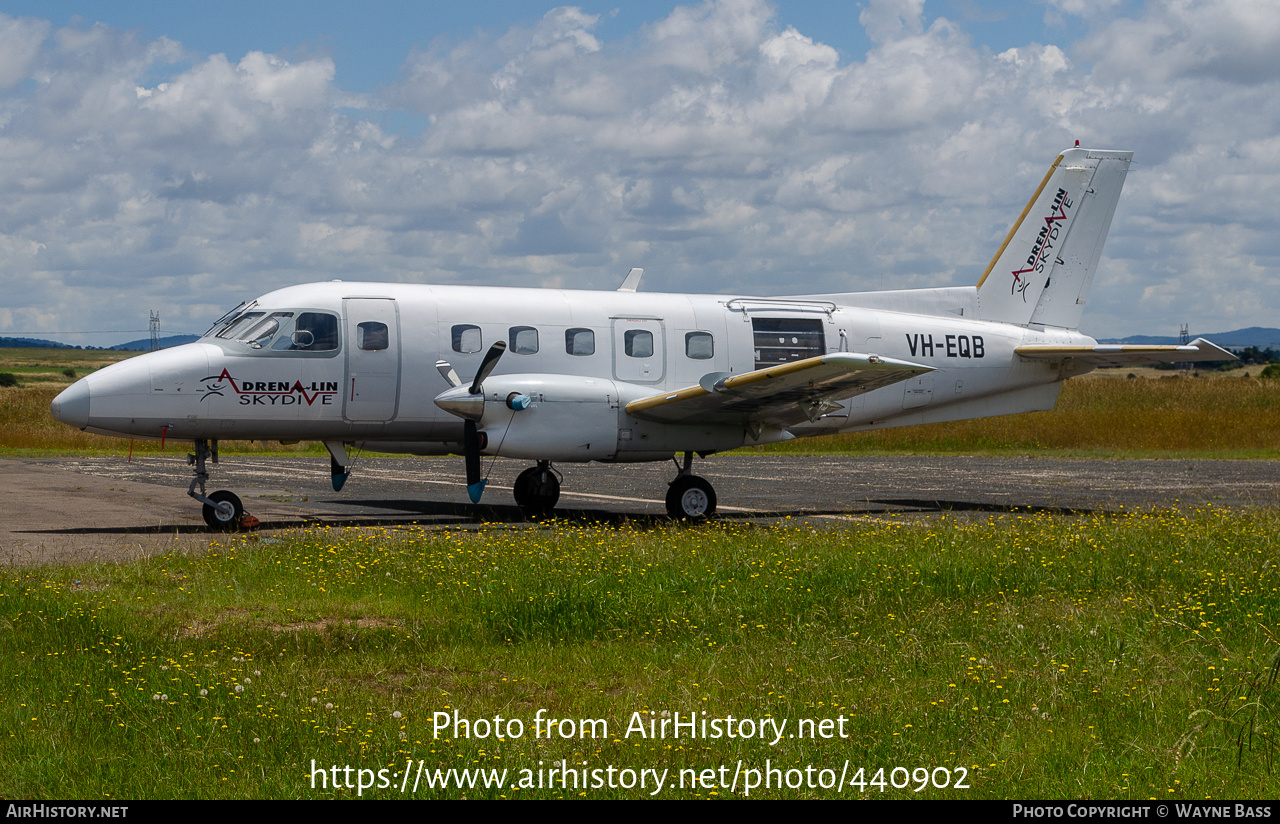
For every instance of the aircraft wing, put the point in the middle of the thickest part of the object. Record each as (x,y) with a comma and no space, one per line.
(781,395)
(1105,354)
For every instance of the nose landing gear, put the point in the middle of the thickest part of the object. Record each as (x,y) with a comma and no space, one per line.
(223,511)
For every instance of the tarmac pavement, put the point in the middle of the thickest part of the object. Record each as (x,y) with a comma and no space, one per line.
(68,510)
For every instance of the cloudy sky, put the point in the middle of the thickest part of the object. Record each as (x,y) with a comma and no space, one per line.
(152,157)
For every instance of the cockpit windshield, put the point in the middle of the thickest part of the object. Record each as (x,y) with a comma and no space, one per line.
(261,333)
(281,331)
(238,324)
(221,322)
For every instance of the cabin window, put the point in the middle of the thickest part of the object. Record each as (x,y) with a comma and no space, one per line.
(372,336)
(580,341)
(466,338)
(699,345)
(786,340)
(523,340)
(638,343)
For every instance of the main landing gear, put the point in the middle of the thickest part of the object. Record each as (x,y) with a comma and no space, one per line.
(222,510)
(690,497)
(537,490)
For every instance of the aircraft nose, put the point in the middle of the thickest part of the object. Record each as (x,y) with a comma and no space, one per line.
(72,405)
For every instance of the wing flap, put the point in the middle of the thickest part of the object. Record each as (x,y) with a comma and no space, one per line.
(1104,354)
(781,395)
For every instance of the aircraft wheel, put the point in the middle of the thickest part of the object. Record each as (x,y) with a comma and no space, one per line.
(537,490)
(227,514)
(691,498)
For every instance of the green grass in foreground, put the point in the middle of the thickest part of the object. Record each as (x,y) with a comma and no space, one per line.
(1031,656)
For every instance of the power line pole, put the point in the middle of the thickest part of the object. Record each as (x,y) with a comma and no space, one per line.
(155,330)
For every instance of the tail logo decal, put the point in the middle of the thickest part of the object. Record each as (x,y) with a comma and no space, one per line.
(1045,241)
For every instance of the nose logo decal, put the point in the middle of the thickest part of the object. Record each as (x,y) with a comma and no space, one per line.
(270,393)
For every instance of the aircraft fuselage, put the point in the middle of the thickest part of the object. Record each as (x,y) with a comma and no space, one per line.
(364,370)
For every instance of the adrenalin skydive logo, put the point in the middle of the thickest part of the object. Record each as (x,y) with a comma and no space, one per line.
(1045,241)
(271,393)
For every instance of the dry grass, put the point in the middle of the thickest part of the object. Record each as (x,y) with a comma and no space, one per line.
(26,428)
(1167,416)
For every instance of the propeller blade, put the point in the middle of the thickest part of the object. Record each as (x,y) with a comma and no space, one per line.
(487,365)
(339,474)
(447,372)
(471,450)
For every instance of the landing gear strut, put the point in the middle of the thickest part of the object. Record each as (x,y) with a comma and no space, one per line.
(537,490)
(690,497)
(222,510)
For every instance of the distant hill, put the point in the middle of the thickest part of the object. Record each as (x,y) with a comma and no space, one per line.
(31,343)
(1262,337)
(144,345)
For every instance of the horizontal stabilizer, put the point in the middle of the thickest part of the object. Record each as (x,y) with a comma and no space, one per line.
(1104,354)
(781,395)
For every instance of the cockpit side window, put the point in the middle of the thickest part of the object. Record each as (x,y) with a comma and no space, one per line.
(312,332)
(315,332)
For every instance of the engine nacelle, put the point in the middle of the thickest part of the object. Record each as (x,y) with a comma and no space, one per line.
(542,416)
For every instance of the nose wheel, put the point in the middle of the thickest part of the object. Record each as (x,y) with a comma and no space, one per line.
(224,512)
(537,490)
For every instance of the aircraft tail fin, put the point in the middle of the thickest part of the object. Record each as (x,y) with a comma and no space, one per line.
(1044,268)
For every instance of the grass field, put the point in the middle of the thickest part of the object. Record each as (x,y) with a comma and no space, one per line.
(1118,657)
(1219,415)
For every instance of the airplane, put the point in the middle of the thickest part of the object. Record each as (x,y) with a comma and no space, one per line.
(560,375)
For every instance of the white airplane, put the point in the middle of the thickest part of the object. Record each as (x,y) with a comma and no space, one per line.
(561,375)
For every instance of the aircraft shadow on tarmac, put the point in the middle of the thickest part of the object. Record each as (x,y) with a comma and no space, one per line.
(428,513)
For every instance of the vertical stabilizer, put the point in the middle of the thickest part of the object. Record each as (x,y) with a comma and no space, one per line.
(1043,271)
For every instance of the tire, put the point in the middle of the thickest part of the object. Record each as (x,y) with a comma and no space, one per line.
(537,490)
(226,516)
(691,498)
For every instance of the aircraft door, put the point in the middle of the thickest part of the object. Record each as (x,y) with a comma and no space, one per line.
(639,350)
(373,359)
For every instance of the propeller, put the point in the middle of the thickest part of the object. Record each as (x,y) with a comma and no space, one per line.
(470,407)
(487,365)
